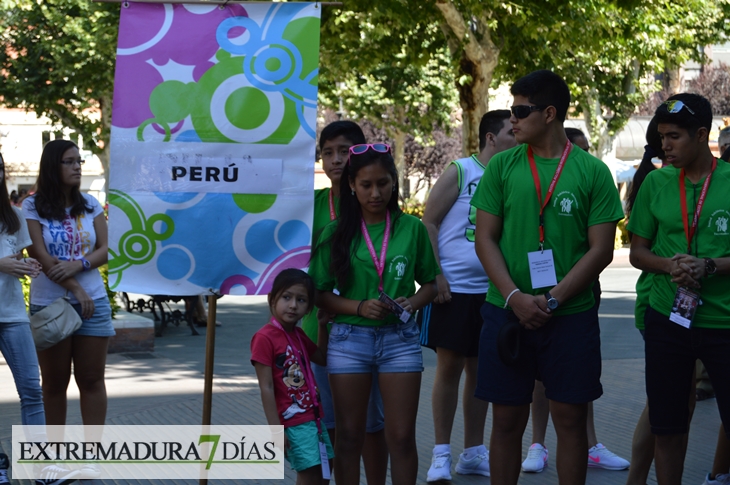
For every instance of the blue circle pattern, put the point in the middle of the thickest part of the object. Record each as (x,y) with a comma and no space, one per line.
(215,215)
(258,50)
(173,263)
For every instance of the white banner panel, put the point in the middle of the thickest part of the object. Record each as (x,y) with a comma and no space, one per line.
(151,452)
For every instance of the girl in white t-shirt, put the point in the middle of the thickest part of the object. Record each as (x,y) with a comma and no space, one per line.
(16,340)
(69,234)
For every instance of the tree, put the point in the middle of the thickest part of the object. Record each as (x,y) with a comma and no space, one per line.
(604,48)
(58,60)
(401,86)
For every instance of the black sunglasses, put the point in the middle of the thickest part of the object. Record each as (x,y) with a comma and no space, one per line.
(523,111)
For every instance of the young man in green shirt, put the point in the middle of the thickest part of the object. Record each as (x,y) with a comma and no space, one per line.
(681,234)
(542,258)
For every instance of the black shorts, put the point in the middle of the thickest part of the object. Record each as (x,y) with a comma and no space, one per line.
(671,352)
(455,325)
(565,353)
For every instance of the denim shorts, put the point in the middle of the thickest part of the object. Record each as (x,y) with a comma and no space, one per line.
(303,451)
(99,325)
(376,415)
(355,349)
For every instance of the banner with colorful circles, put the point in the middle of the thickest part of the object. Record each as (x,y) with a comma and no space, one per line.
(212,146)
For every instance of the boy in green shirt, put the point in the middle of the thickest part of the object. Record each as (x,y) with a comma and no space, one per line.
(542,258)
(681,234)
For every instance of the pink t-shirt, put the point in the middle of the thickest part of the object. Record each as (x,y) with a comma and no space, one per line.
(270,347)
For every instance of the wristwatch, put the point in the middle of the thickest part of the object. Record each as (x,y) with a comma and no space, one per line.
(552,303)
(710,267)
(86,264)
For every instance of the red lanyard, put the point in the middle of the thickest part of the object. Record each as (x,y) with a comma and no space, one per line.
(689,232)
(304,361)
(379,263)
(551,188)
(333,215)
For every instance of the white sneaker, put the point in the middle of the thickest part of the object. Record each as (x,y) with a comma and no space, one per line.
(479,465)
(440,468)
(722,479)
(57,475)
(89,471)
(600,457)
(537,459)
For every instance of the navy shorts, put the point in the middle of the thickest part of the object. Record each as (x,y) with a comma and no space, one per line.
(671,352)
(454,325)
(565,353)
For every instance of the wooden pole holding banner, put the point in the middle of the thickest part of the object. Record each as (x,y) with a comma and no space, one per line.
(206,2)
(209,364)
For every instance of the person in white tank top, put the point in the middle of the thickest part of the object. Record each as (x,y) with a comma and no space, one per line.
(452,323)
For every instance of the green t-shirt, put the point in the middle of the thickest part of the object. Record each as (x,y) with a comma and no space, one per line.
(409,259)
(656,216)
(321,219)
(585,195)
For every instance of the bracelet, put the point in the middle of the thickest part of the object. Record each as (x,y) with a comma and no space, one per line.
(358,308)
(506,300)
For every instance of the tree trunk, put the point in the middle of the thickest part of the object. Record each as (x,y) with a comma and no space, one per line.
(472,44)
(399,151)
(596,124)
(673,82)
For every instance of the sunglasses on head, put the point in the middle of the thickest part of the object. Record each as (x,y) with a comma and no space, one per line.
(523,111)
(378,147)
(674,106)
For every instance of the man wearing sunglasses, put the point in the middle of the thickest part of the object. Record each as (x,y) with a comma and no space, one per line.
(681,234)
(451,324)
(546,220)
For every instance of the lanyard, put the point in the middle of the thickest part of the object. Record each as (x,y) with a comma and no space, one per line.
(379,263)
(308,375)
(689,232)
(333,215)
(551,188)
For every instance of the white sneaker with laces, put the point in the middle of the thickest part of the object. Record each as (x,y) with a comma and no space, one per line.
(89,471)
(600,457)
(722,479)
(479,465)
(537,459)
(440,468)
(57,475)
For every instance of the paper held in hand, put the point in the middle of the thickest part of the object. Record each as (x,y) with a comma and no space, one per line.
(399,311)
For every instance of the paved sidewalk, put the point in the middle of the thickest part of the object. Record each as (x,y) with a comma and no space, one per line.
(165,387)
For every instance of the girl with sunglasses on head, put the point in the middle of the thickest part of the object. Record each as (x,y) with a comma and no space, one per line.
(70,240)
(334,147)
(373,254)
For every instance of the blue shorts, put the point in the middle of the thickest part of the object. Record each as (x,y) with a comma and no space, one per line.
(303,451)
(376,415)
(565,353)
(355,349)
(99,325)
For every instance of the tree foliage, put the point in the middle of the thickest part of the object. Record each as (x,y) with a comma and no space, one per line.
(58,60)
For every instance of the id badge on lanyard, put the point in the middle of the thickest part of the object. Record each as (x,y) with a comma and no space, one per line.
(687,300)
(542,262)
